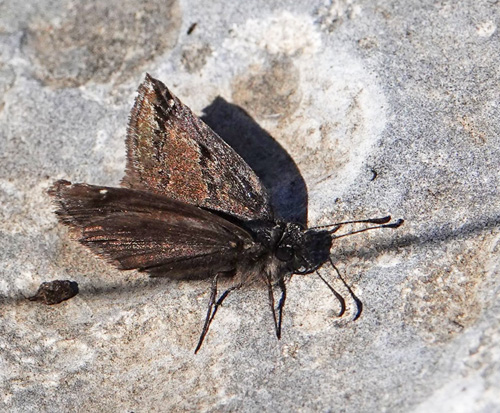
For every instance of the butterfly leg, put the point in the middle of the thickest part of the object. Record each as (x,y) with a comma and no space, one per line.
(213,305)
(279,316)
(208,318)
(335,293)
(359,303)
(281,306)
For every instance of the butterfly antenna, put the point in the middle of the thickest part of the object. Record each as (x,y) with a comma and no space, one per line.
(212,308)
(359,303)
(381,223)
(396,224)
(336,294)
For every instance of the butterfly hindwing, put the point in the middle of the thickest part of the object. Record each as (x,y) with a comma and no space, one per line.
(140,230)
(170,151)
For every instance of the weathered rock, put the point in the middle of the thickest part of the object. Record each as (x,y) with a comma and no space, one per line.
(353,110)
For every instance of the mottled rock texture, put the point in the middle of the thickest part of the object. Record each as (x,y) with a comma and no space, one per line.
(346,109)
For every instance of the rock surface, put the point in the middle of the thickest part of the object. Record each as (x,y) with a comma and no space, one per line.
(351,108)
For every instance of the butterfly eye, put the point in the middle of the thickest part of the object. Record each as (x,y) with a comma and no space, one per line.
(284,253)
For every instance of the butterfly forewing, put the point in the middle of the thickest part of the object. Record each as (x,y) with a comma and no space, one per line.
(140,230)
(172,152)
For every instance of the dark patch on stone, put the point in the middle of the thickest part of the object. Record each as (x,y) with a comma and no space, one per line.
(270,90)
(438,305)
(94,41)
(194,57)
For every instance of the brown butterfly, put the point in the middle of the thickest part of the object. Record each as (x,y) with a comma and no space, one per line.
(191,208)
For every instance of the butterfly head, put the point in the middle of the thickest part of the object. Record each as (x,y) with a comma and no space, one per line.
(303,250)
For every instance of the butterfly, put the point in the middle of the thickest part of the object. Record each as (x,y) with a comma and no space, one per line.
(189,207)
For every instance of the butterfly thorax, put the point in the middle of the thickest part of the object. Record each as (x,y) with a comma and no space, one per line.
(297,250)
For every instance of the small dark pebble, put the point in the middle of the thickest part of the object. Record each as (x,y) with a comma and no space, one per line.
(55,292)
(191,28)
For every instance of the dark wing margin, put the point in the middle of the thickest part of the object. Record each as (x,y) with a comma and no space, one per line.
(170,151)
(140,230)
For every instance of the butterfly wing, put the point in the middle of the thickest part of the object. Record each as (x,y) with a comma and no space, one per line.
(170,151)
(140,230)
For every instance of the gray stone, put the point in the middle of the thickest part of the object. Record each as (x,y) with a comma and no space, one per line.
(384,108)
